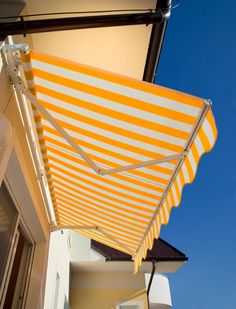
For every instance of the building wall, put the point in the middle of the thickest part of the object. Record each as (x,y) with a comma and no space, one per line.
(16,167)
(80,247)
(159,294)
(58,269)
(103,290)
(118,49)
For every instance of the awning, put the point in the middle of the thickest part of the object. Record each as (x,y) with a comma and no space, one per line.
(117,151)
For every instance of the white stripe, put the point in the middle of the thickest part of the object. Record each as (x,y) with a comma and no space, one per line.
(110,120)
(167,165)
(63,207)
(185,173)
(111,105)
(141,179)
(158,224)
(100,198)
(192,162)
(113,136)
(168,200)
(119,235)
(97,204)
(107,241)
(110,177)
(174,195)
(104,184)
(130,176)
(199,145)
(179,183)
(161,214)
(107,214)
(110,158)
(208,131)
(166,211)
(124,90)
(99,237)
(105,191)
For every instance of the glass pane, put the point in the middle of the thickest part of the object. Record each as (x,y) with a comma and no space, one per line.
(16,285)
(8,215)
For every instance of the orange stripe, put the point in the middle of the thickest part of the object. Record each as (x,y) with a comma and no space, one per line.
(110,128)
(37,119)
(160,111)
(108,95)
(66,184)
(32,90)
(103,179)
(111,154)
(101,239)
(195,153)
(168,205)
(29,75)
(162,212)
(98,212)
(189,168)
(25,57)
(104,195)
(98,186)
(98,220)
(181,174)
(118,175)
(172,200)
(96,235)
(122,80)
(60,193)
(118,235)
(155,168)
(178,193)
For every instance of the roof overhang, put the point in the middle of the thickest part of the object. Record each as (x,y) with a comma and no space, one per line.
(125,266)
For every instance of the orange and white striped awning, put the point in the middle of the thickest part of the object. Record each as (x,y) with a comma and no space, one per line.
(117,151)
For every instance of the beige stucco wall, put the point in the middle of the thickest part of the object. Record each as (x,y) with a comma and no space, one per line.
(8,106)
(104,290)
(118,49)
(21,177)
(104,298)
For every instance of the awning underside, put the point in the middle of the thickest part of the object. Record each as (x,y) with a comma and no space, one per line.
(139,144)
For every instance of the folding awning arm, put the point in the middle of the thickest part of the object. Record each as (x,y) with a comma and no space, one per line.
(21,87)
(142,164)
(54,228)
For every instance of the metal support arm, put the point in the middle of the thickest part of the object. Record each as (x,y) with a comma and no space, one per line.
(20,86)
(54,228)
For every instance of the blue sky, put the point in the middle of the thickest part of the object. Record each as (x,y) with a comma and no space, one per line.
(198,57)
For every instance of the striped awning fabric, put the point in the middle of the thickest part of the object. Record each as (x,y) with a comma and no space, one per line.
(127,151)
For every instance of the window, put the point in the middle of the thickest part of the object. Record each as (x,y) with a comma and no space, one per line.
(15,254)
(8,218)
